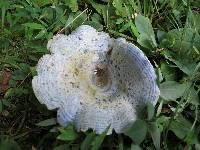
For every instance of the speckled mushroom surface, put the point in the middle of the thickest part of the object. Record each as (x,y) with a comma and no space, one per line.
(94,81)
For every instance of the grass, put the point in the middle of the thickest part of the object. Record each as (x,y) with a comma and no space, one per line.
(166,30)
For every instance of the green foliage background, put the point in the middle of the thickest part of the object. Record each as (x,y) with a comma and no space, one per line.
(166,30)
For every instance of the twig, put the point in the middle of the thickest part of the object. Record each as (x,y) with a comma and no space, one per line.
(71,21)
(23,80)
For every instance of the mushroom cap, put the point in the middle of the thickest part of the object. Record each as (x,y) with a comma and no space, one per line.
(94,81)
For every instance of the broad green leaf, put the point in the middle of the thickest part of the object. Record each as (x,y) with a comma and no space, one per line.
(197,146)
(34,25)
(97,7)
(73,5)
(119,9)
(125,27)
(168,71)
(176,14)
(4,5)
(143,40)
(184,43)
(47,13)
(118,5)
(185,2)
(80,20)
(193,20)
(25,68)
(6,102)
(137,132)
(186,65)
(134,30)
(143,25)
(41,34)
(171,90)
(17,92)
(47,122)
(147,36)
(33,71)
(95,22)
(67,134)
(135,147)
(193,97)
(160,35)
(99,139)
(13,83)
(7,143)
(102,10)
(37,48)
(28,33)
(18,75)
(88,141)
(191,137)
(162,122)
(119,21)
(182,40)
(62,147)
(180,126)
(150,110)
(41,3)
(155,134)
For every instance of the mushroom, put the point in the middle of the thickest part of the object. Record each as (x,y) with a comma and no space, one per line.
(95,81)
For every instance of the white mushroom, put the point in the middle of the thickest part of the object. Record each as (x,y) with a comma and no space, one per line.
(94,81)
